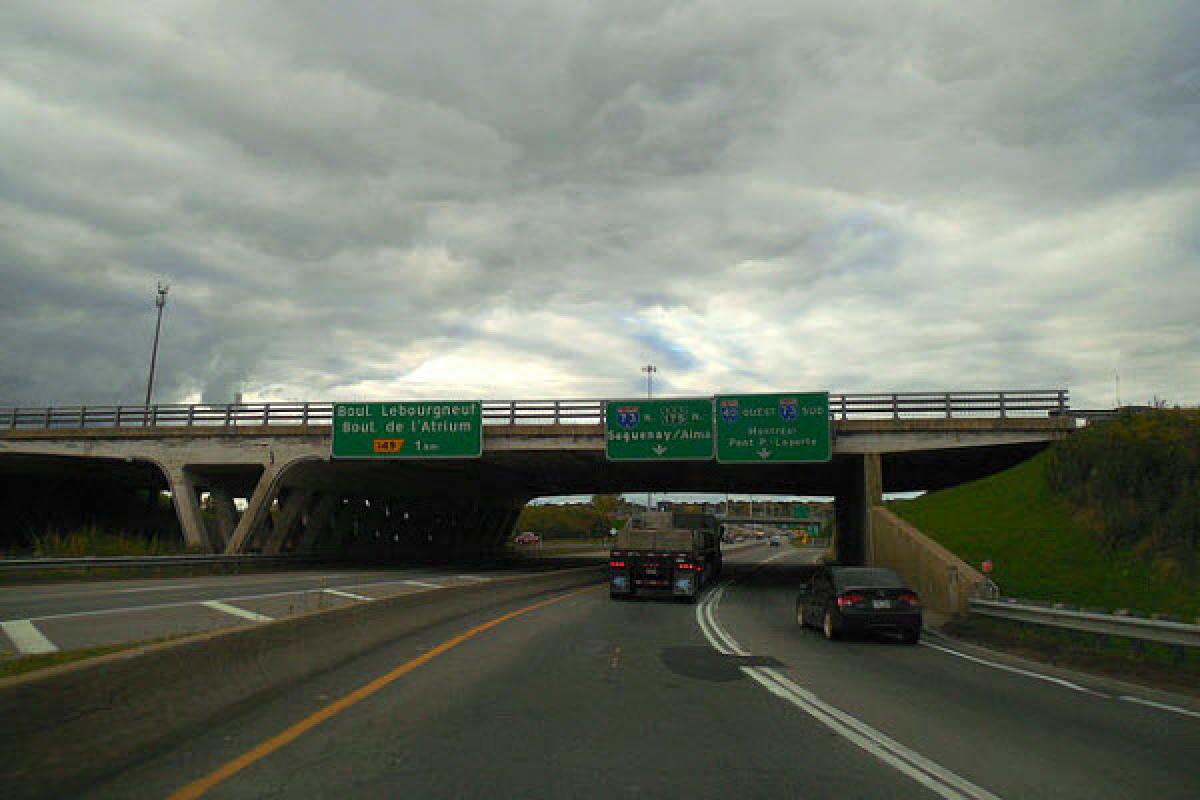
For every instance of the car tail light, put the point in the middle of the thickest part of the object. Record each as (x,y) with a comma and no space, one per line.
(685,566)
(910,598)
(616,563)
(850,599)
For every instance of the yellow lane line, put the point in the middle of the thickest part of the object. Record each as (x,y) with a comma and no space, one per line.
(199,787)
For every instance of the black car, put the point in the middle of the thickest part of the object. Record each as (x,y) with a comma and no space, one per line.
(841,599)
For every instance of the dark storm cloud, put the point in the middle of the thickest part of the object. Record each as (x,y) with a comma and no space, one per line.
(373,199)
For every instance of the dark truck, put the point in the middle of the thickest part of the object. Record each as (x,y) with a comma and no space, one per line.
(665,554)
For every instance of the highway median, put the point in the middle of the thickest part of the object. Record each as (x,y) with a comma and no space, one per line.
(69,725)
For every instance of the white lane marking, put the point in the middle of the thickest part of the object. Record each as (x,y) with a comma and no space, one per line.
(1018,671)
(472,578)
(1161,706)
(909,762)
(187,603)
(349,595)
(420,583)
(916,766)
(217,605)
(235,599)
(159,588)
(27,638)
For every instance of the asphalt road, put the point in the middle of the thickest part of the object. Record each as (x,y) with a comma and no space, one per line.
(587,697)
(65,616)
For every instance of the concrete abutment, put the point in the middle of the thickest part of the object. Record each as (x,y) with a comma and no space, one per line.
(859,489)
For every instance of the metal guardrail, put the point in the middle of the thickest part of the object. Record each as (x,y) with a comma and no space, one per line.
(90,562)
(894,405)
(1176,634)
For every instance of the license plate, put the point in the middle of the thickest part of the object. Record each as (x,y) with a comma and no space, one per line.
(881,603)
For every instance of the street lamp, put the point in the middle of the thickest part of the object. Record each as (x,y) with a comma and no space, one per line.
(649,369)
(160,300)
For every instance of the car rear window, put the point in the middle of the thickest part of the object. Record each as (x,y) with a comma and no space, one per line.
(868,576)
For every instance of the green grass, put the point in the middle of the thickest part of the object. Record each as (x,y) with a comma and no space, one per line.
(1040,549)
(93,541)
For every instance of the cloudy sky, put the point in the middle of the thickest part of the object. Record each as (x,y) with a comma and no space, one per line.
(524,199)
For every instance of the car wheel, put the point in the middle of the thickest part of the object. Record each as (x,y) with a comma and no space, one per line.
(827,627)
(911,636)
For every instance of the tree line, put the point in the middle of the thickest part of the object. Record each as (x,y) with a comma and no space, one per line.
(575,521)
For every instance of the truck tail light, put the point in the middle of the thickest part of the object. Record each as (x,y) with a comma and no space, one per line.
(616,564)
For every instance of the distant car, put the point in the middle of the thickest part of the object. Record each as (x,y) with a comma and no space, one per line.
(862,599)
(776,541)
(528,537)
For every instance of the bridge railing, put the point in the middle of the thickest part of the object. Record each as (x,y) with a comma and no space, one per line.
(893,405)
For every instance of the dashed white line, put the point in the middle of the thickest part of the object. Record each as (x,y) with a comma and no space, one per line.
(472,578)
(217,605)
(159,588)
(421,583)
(348,595)
(27,638)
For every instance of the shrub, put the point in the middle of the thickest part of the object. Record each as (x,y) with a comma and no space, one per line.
(1136,481)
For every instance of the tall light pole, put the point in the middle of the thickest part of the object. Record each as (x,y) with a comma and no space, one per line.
(160,300)
(649,369)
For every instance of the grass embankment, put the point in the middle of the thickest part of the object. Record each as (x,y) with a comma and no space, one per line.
(1040,548)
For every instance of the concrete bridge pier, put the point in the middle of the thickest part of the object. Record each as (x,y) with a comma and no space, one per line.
(319,522)
(185,491)
(859,489)
(258,508)
(224,517)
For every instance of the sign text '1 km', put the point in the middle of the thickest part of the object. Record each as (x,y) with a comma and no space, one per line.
(431,429)
(658,430)
(773,428)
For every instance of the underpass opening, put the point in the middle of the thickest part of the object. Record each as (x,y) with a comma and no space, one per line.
(49,503)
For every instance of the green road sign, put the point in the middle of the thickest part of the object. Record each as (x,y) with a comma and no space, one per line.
(432,429)
(658,430)
(773,428)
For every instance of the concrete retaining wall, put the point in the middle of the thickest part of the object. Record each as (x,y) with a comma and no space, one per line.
(943,580)
(67,726)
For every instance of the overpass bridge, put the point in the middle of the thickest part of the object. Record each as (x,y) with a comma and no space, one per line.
(72,462)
